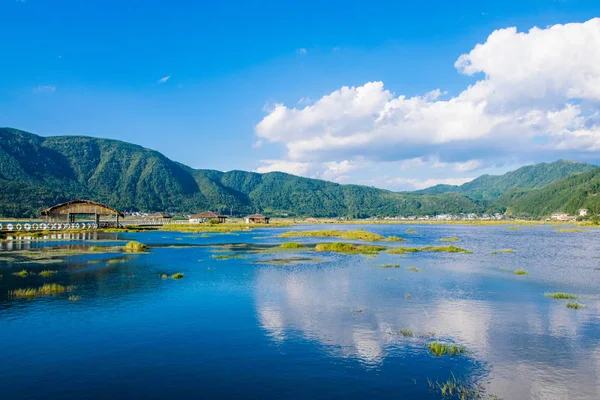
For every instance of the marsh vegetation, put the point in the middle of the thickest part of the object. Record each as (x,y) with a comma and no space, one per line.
(440,349)
(561,296)
(135,247)
(520,272)
(359,234)
(348,248)
(433,249)
(48,289)
(449,239)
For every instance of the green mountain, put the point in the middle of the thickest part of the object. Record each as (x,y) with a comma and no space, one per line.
(489,187)
(36,172)
(567,195)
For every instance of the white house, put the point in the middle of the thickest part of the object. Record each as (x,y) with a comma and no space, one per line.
(583,212)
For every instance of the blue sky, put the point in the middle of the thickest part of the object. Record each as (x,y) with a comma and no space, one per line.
(95,69)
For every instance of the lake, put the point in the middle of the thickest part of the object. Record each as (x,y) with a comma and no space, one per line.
(251,322)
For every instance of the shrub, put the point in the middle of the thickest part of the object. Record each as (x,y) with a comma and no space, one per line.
(135,247)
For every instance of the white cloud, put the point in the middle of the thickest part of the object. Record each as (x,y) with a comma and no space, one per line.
(257,145)
(537,93)
(301,51)
(163,79)
(44,89)
(422,184)
(290,167)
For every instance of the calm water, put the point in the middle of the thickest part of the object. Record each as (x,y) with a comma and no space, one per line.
(235,328)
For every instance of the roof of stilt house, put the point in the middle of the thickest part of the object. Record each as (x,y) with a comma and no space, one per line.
(207,215)
(79,206)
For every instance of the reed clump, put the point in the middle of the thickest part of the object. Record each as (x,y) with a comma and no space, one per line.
(349,248)
(390,265)
(571,230)
(415,269)
(48,273)
(406,333)
(135,247)
(48,289)
(177,276)
(561,296)
(23,273)
(440,349)
(411,231)
(575,306)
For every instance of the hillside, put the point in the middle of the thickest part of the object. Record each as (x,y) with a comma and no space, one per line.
(490,187)
(567,195)
(36,172)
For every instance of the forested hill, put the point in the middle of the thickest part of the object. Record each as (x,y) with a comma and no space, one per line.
(36,172)
(489,187)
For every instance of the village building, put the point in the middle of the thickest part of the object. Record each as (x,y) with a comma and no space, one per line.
(76,211)
(257,219)
(159,215)
(205,217)
(561,216)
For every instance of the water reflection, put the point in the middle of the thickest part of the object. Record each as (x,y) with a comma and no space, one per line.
(538,349)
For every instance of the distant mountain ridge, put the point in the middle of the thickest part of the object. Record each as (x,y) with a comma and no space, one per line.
(488,187)
(36,172)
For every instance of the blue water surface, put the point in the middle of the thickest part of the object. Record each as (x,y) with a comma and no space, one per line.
(319,328)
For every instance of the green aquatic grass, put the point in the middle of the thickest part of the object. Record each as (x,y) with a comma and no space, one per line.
(569,230)
(574,306)
(289,261)
(48,273)
(389,265)
(411,231)
(135,247)
(359,234)
(415,269)
(177,276)
(407,333)
(291,245)
(504,269)
(440,349)
(349,248)
(393,239)
(513,228)
(23,273)
(225,256)
(96,248)
(48,289)
(455,389)
(74,297)
(561,296)
(117,260)
(449,239)
(520,272)
(434,249)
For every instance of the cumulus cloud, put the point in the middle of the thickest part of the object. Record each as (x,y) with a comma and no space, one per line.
(163,79)
(425,183)
(44,89)
(290,167)
(535,93)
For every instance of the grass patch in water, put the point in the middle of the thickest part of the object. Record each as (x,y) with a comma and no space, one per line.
(96,248)
(23,273)
(47,273)
(407,333)
(289,261)
(454,389)
(225,256)
(513,228)
(393,239)
(415,269)
(135,247)
(359,234)
(435,249)
(504,269)
(440,349)
(74,297)
(177,276)
(520,272)
(117,260)
(450,239)
(389,265)
(561,296)
(291,245)
(411,231)
(567,230)
(349,248)
(48,289)
(575,306)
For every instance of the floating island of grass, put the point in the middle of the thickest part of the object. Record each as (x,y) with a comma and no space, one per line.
(359,234)
(349,248)
(389,266)
(177,276)
(503,251)
(575,306)
(561,296)
(449,239)
(135,247)
(520,272)
(434,249)
(291,245)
